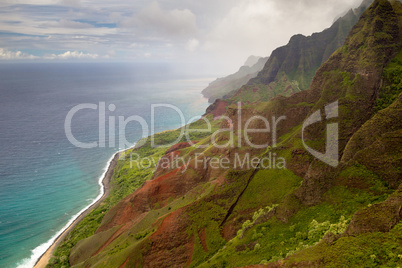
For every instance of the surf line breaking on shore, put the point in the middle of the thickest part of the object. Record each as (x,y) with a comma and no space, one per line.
(40,251)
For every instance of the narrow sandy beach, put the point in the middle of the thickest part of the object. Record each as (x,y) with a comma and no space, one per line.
(44,259)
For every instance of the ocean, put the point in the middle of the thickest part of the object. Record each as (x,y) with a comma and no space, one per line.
(45,180)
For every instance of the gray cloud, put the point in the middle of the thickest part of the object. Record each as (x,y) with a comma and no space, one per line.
(257,27)
(165,22)
(71,3)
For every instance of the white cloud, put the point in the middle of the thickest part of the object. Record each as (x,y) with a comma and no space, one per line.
(192,45)
(72,55)
(154,20)
(6,54)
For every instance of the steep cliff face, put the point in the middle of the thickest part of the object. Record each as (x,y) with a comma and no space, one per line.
(219,88)
(287,209)
(291,68)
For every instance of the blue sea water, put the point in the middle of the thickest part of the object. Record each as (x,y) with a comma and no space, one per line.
(44,179)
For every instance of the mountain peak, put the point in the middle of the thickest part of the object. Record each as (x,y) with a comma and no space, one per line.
(252,60)
(291,68)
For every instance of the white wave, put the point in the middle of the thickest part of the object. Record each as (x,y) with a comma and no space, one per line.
(41,249)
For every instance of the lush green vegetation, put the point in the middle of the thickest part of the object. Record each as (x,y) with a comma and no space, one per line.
(127,177)
(208,212)
(261,92)
(301,215)
(357,251)
(272,240)
(392,86)
(267,187)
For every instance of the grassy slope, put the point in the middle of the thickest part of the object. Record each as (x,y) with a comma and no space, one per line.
(356,188)
(127,177)
(267,209)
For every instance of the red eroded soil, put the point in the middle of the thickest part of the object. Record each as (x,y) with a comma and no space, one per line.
(180,146)
(171,239)
(203,239)
(220,109)
(217,109)
(124,264)
(129,210)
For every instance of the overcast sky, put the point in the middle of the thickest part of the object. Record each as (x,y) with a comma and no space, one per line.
(216,33)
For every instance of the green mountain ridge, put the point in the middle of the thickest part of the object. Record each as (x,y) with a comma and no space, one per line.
(291,68)
(308,214)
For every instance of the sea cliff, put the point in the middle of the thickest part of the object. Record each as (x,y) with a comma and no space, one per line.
(177,206)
